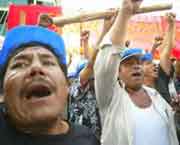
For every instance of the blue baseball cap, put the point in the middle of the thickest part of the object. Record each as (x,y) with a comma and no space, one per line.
(130,52)
(21,35)
(147,57)
(79,68)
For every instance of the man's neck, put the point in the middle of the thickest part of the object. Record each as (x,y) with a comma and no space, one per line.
(133,90)
(150,82)
(52,128)
(139,97)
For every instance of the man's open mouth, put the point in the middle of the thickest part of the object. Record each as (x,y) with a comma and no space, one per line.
(37,91)
(136,74)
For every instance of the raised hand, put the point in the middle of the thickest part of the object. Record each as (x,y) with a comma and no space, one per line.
(85,35)
(129,7)
(45,20)
(158,40)
(170,17)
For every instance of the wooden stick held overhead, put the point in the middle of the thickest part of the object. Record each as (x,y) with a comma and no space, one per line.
(90,16)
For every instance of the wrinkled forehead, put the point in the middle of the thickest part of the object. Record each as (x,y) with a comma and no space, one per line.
(28,53)
(31,50)
(35,50)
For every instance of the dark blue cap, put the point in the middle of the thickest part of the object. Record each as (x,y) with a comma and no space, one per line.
(21,35)
(147,57)
(79,68)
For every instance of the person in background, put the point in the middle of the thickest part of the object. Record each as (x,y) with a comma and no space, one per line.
(177,75)
(131,113)
(159,75)
(176,100)
(83,107)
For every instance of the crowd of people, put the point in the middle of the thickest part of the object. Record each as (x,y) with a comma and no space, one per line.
(118,95)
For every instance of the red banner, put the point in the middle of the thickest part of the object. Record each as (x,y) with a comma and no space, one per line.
(143,28)
(31,13)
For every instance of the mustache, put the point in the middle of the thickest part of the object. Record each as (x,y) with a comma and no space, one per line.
(39,78)
(34,79)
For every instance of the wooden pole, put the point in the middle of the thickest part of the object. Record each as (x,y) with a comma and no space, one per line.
(90,16)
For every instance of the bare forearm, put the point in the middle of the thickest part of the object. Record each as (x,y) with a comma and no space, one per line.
(119,29)
(87,72)
(169,40)
(168,44)
(85,47)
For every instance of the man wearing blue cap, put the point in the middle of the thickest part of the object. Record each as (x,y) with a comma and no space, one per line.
(35,90)
(131,114)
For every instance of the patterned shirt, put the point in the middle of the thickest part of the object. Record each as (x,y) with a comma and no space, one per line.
(83,107)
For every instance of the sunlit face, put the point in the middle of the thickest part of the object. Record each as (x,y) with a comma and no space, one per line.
(131,72)
(35,88)
(150,69)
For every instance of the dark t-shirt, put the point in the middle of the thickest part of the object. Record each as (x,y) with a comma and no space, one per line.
(162,82)
(177,85)
(77,135)
(162,87)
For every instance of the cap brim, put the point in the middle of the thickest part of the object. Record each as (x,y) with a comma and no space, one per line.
(127,57)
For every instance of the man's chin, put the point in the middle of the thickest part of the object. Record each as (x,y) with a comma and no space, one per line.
(137,86)
(38,121)
(155,76)
(39,116)
(44,116)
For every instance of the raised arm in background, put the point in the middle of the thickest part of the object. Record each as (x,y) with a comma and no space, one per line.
(168,44)
(156,44)
(87,72)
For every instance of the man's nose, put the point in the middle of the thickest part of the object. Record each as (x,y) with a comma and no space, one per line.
(36,69)
(137,66)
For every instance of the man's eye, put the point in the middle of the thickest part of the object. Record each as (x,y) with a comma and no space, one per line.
(49,63)
(18,65)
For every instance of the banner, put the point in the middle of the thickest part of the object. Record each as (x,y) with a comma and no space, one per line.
(142,29)
(28,14)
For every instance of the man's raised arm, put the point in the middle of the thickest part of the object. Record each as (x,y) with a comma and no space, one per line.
(107,61)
